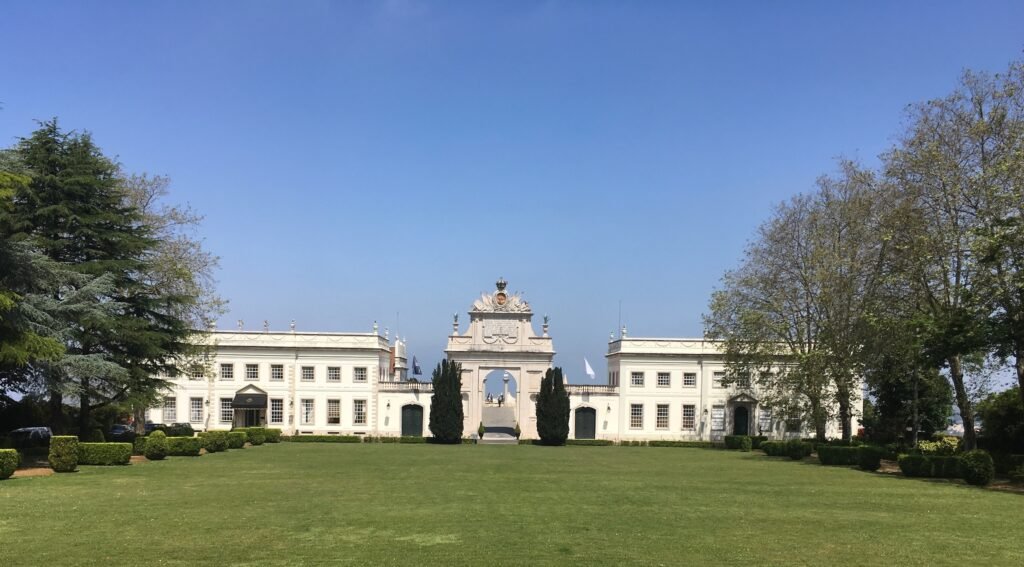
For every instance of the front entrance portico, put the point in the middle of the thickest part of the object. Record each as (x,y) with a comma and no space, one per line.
(741,409)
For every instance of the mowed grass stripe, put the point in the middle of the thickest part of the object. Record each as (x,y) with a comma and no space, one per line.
(423,504)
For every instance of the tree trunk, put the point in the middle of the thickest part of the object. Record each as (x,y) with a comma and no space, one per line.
(956,373)
(58,421)
(1018,363)
(820,422)
(84,410)
(845,417)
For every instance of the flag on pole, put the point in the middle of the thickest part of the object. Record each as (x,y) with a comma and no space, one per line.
(588,369)
(416,370)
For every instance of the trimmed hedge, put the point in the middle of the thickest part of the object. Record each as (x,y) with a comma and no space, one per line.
(738,442)
(104,454)
(214,441)
(184,446)
(774,448)
(156,446)
(689,444)
(590,442)
(977,467)
(870,458)
(756,440)
(945,466)
(94,435)
(257,435)
(412,439)
(273,435)
(797,450)
(925,466)
(139,445)
(322,438)
(628,443)
(832,455)
(9,459)
(64,453)
(237,439)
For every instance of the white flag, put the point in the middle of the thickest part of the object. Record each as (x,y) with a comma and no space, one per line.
(588,369)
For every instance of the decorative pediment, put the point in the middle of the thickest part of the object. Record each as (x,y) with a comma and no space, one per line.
(250,389)
(500,301)
(743,398)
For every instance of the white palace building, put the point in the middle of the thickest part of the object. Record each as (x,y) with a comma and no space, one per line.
(357,383)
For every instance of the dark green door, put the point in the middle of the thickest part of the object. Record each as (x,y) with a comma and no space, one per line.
(412,421)
(740,421)
(586,423)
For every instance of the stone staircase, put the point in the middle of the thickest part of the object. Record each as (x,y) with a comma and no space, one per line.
(500,426)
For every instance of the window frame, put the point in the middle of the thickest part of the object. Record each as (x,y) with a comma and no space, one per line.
(692,417)
(364,371)
(334,404)
(276,372)
(334,374)
(227,371)
(312,374)
(721,419)
(280,401)
(717,379)
(658,417)
(667,383)
(192,407)
(359,412)
(229,408)
(636,379)
(255,376)
(635,416)
(170,403)
(692,384)
(307,412)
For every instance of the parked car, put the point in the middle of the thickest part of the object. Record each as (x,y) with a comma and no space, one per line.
(121,433)
(150,427)
(26,437)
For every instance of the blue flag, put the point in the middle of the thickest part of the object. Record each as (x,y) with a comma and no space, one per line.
(416,370)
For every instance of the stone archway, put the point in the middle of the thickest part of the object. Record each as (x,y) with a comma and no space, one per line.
(501,337)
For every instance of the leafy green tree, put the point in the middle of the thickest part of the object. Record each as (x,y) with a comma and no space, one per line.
(553,408)
(446,418)
(1002,421)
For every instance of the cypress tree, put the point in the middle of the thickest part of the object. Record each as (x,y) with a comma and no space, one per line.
(446,417)
(553,408)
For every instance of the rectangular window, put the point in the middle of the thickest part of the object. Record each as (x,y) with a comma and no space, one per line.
(307,374)
(664,379)
(743,380)
(689,379)
(196,373)
(307,412)
(333,412)
(359,374)
(718,418)
(277,411)
(636,416)
(717,380)
(227,371)
(689,416)
(764,420)
(195,410)
(227,415)
(276,372)
(793,425)
(636,379)
(170,410)
(334,374)
(662,415)
(359,412)
(252,371)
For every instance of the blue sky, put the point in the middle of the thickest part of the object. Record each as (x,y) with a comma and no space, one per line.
(357,160)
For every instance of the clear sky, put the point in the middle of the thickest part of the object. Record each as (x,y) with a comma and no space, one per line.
(360,160)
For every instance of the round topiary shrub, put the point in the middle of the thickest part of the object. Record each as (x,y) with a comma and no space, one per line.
(64,453)
(9,460)
(257,435)
(746,443)
(236,439)
(797,450)
(215,441)
(977,467)
(94,435)
(156,446)
(869,458)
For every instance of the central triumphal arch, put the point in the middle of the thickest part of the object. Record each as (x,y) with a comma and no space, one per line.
(501,337)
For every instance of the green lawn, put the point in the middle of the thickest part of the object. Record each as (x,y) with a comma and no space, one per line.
(424,504)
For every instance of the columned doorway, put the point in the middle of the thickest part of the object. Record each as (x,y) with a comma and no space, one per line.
(740,421)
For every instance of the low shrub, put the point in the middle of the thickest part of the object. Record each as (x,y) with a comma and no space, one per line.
(94,435)
(64,453)
(945,466)
(237,439)
(9,459)
(526,441)
(869,458)
(1017,475)
(139,445)
(322,438)
(633,443)
(156,446)
(977,467)
(179,430)
(797,449)
(408,439)
(257,435)
(774,448)
(689,444)
(104,454)
(830,455)
(184,446)
(945,445)
(746,444)
(214,441)
(733,442)
(593,442)
(466,441)
(273,435)
(755,441)
(914,465)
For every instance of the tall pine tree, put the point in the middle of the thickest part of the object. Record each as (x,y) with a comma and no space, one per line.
(553,409)
(446,416)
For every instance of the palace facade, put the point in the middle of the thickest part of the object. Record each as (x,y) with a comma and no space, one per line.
(357,384)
